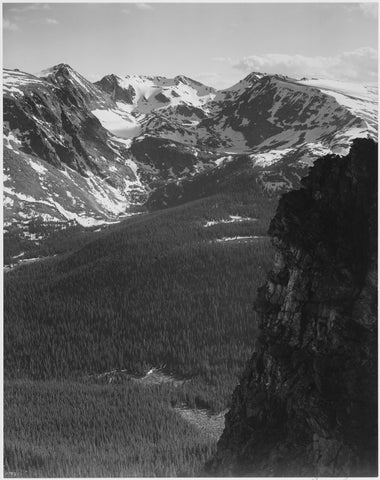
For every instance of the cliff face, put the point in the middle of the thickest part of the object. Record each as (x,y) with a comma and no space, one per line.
(307,401)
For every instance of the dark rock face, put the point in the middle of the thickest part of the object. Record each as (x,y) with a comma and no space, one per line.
(77,91)
(55,123)
(160,97)
(189,111)
(163,159)
(110,85)
(306,404)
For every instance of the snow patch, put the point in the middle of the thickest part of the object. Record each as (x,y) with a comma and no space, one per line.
(269,158)
(37,167)
(120,124)
(238,239)
(232,219)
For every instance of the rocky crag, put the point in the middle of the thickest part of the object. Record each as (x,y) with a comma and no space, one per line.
(306,404)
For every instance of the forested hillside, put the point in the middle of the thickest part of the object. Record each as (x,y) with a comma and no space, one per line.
(170,289)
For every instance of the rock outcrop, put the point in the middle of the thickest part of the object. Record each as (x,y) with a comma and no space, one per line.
(111,85)
(306,404)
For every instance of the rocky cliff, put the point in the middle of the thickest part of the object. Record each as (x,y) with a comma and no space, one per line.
(306,404)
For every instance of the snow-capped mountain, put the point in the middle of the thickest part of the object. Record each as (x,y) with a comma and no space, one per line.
(92,152)
(144,103)
(276,112)
(268,112)
(145,94)
(59,162)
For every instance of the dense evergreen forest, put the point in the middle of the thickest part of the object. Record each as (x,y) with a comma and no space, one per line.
(157,290)
(67,429)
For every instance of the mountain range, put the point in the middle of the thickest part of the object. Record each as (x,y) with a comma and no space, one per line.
(94,153)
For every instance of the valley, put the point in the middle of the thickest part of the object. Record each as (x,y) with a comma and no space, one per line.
(151,291)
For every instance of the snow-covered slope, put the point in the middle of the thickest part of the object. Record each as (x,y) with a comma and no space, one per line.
(261,113)
(145,94)
(276,111)
(146,105)
(118,121)
(361,100)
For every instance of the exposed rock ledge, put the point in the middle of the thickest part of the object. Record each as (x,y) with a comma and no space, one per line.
(306,404)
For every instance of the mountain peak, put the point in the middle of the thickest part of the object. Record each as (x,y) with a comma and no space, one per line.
(254,76)
(109,78)
(183,79)
(62,68)
(187,80)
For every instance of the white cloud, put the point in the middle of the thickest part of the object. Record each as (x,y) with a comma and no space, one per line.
(370,10)
(144,6)
(357,65)
(8,25)
(51,21)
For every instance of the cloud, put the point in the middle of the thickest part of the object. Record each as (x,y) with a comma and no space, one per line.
(357,65)
(51,21)
(144,6)
(140,6)
(8,25)
(369,10)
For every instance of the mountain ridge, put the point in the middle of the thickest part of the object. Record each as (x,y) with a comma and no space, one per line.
(90,136)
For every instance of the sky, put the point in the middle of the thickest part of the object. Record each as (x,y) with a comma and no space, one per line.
(215,43)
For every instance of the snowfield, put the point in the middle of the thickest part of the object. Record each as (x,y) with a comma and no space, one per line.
(269,158)
(119,123)
(361,100)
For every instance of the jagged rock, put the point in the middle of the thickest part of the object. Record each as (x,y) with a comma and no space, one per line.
(306,404)
(111,85)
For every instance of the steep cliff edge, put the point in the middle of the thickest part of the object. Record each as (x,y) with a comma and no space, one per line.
(307,401)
